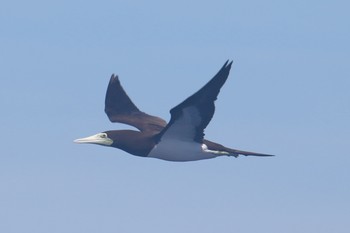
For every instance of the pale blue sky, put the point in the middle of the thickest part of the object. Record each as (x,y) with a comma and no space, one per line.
(288,94)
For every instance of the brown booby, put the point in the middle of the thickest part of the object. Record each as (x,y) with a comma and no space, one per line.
(182,139)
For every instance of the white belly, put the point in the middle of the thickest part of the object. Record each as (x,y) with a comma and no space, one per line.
(174,150)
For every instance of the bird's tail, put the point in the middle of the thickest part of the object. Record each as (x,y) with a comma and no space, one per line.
(236,153)
(213,146)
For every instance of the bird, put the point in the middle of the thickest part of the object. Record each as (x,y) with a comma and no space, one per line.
(179,140)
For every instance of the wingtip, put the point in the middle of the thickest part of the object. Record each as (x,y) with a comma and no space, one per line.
(114,78)
(227,64)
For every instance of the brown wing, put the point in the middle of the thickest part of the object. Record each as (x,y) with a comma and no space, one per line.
(119,108)
(191,117)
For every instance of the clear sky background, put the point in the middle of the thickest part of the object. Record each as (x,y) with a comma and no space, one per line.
(288,94)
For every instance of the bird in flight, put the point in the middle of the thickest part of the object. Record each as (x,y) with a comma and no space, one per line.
(182,139)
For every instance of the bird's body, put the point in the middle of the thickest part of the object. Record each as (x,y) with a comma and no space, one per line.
(181,151)
(182,139)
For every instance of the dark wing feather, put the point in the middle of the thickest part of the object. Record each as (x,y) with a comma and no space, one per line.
(120,108)
(191,117)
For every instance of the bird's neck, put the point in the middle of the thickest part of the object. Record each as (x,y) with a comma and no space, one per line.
(134,142)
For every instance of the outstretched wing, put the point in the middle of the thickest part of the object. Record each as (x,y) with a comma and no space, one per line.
(120,108)
(191,117)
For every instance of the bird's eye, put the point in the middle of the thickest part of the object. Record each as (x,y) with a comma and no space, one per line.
(103,136)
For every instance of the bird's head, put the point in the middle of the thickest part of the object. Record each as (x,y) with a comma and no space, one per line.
(131,141)
(100,139)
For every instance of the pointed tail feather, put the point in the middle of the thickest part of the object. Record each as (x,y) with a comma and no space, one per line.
(246,153)
(232,152)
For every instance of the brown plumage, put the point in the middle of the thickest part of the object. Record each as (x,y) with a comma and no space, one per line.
(183,134)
